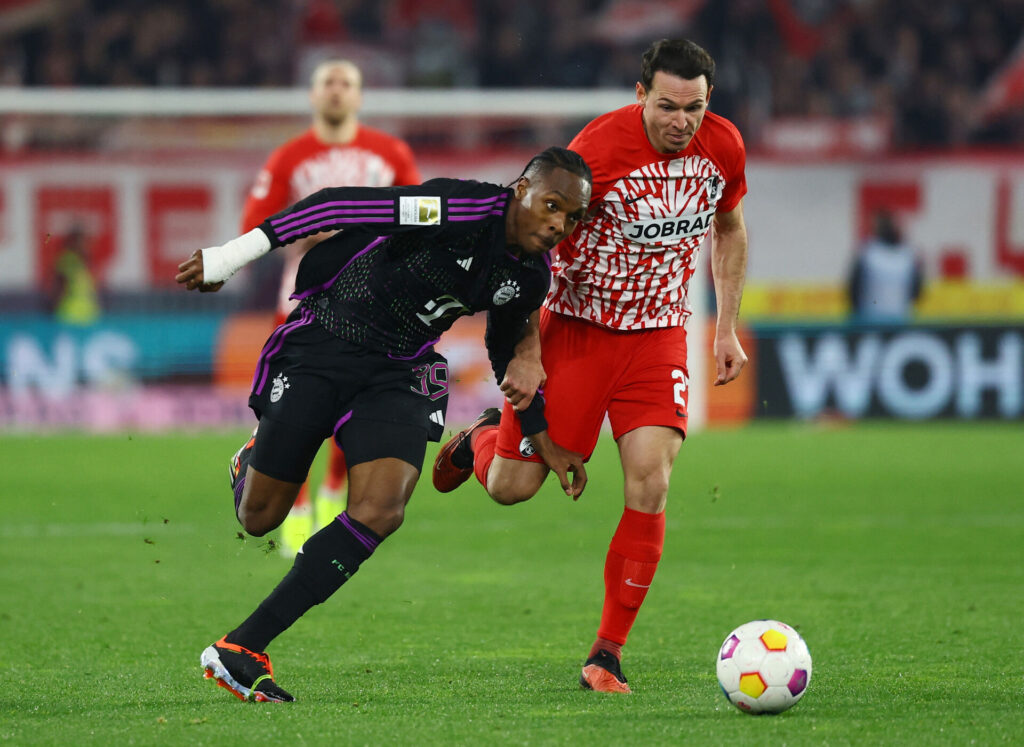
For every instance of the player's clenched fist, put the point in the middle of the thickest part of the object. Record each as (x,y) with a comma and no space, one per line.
(190,274)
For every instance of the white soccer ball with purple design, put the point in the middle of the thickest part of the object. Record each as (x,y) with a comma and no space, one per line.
(764,667)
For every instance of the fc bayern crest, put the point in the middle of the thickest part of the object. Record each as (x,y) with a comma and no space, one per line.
(279,385)
(506,293)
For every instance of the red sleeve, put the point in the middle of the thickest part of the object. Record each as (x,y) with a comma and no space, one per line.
(406,171)
(270,192)
(589,149)
(735,176)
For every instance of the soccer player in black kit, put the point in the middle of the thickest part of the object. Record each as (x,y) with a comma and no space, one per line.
(356,361)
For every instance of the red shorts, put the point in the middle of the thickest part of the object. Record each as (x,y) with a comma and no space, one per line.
(638,378)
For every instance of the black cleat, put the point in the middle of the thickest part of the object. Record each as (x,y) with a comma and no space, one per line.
(603,673)
(248,675)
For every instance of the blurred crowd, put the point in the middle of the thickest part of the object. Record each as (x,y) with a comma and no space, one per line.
(931,69)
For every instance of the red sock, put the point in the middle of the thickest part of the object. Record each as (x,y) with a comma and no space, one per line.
(483,444)
(302,499)
(628,572)
(613,648)
(337,469)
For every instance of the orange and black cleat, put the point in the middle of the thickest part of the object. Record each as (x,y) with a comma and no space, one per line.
(603,673)
(454,463)
(248,675)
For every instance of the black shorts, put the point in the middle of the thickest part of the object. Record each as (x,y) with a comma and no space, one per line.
(310,385)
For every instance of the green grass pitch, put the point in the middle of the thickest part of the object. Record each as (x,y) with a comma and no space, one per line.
(896,550)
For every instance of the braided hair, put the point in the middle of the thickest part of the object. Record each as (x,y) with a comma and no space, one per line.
(558,158)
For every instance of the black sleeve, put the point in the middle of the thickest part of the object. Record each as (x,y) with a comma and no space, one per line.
(506,324)
(504,331)
(434,206)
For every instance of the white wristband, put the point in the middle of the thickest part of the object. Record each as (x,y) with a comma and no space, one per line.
(221,262)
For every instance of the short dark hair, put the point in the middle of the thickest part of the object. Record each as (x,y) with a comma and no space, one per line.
(558,158)
(680,57)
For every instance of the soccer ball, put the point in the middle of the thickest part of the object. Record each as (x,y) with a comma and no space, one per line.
(764,667)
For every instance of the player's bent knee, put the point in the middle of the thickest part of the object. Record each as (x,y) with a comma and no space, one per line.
(649,494)
(255,524)
(508,494)
(260,521)
(265,503)
(507,498)
(510,482)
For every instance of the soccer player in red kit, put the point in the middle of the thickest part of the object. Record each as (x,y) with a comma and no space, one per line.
(337,151)
(611,340)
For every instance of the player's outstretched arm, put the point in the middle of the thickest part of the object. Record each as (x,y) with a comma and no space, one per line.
(212,266)
(561,461)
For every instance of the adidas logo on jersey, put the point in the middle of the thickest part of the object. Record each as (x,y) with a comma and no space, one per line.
(437,417)
(464,263)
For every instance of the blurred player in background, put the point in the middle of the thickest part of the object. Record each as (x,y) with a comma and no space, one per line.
(356,361)
(887,276)
(666,173)
(75,297)
(336,151)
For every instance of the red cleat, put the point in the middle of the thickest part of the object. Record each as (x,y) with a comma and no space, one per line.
(454,463)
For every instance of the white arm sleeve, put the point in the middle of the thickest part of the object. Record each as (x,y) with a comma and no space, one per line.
(221,262)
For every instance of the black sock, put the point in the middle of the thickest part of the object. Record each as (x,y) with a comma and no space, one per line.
(325,562)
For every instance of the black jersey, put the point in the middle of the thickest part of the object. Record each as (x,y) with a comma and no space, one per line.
(408,261)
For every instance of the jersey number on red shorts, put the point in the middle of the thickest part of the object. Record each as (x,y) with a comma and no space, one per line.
(679,390)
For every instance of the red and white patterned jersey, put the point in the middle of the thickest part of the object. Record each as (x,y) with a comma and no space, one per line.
(628,267)
(305,165)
